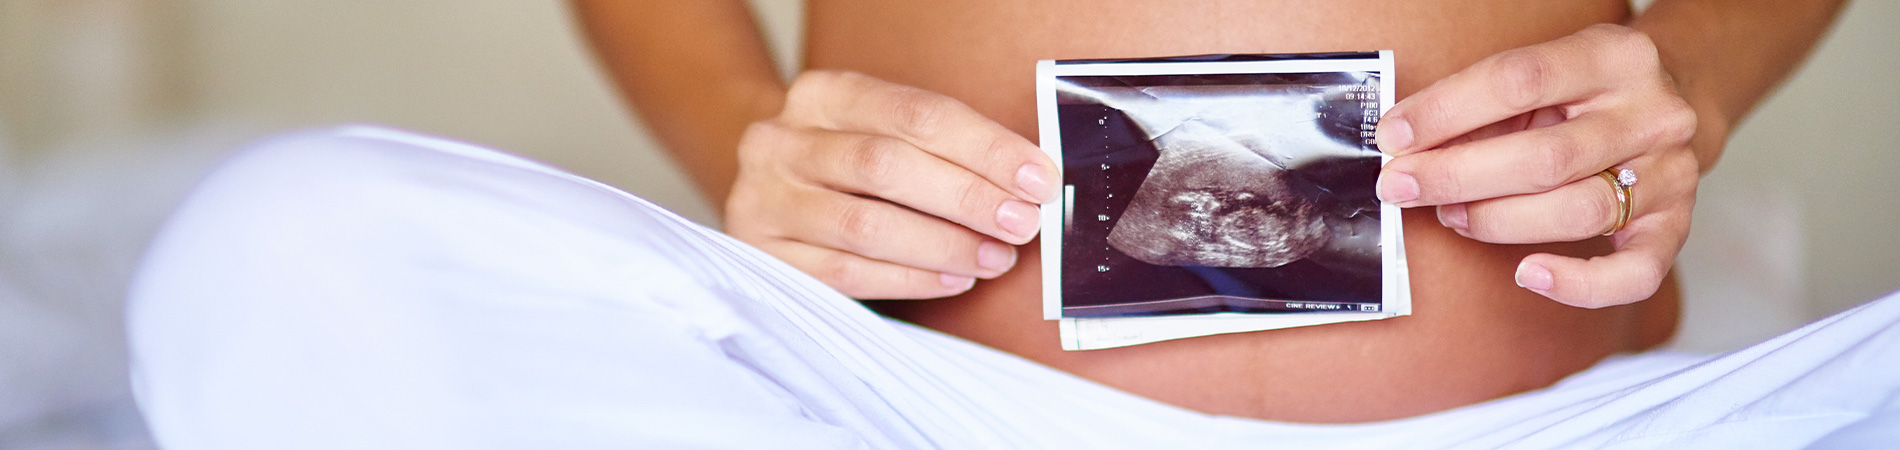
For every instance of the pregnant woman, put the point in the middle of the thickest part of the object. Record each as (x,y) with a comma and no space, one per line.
(369,288)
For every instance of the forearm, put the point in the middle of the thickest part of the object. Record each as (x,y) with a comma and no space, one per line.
(697,72)
(1726,55)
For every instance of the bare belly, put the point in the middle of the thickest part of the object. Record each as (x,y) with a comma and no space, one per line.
(1474,336)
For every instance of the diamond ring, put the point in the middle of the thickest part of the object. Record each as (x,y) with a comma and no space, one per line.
(1621,180)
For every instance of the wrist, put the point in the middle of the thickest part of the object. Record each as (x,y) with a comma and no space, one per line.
(1684,71)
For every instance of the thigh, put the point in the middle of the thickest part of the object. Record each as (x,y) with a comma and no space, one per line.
(362,288)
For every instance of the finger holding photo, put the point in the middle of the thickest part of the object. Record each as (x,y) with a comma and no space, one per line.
(1618,110)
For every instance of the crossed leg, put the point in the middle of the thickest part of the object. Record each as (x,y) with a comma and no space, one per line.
(367,288)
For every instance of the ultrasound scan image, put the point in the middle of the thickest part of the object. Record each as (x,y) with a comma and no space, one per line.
(1211,201)
(1211,193)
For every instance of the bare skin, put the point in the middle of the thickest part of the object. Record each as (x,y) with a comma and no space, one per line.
(1476,335)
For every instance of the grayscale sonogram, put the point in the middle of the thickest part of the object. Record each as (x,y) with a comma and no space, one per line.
(1201,193)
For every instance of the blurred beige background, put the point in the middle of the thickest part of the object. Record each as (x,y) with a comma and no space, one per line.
(110,108)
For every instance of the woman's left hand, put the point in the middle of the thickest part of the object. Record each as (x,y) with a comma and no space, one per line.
(1509,150)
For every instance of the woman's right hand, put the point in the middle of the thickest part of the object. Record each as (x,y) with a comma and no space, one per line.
(884,191)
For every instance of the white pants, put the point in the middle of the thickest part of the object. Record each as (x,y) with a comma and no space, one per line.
(362,288)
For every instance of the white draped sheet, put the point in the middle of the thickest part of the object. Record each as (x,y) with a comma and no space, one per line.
(366,288)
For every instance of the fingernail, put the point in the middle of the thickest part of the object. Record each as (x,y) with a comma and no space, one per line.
(995,256)
(1394,135)
(1036,181)
(1018,218)
(957,281)
(1398,187)
(1453,216)
(1534,277)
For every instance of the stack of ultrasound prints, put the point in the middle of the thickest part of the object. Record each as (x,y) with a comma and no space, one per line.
(1216,194)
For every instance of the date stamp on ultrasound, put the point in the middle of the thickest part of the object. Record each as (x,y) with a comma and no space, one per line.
(1218,185)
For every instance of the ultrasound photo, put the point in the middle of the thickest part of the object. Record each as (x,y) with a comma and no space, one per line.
(1190,193)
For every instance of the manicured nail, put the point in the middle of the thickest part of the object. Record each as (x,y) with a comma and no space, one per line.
(1018,218)
(1453,216)
(995,256)
(1036,181)
(1398,187)
(1394,135)
(1534,277)
(957,281)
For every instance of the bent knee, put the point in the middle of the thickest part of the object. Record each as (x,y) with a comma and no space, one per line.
(313,165)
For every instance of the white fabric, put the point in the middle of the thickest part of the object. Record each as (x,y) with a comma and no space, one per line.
(364,288)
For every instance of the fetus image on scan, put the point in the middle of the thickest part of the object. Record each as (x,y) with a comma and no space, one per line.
(1203,193)
(1210,201)
(1227,189)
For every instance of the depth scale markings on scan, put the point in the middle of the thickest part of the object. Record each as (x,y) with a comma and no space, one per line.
(1218,194)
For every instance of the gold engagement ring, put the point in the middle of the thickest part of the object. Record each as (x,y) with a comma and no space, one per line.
(1621,180)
